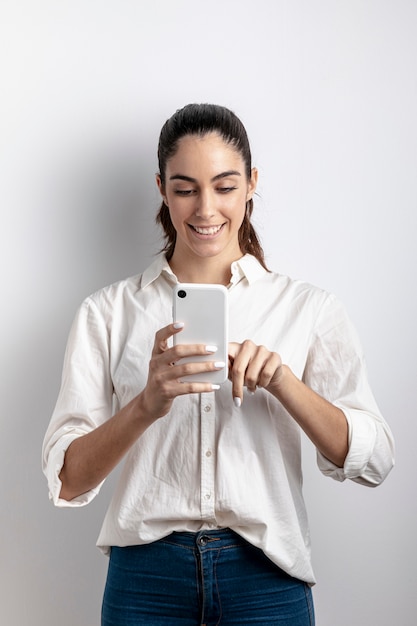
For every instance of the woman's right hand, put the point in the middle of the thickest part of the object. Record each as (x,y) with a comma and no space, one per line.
(164,383)
(91,457)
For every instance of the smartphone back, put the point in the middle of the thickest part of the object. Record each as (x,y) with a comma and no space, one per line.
(204,311)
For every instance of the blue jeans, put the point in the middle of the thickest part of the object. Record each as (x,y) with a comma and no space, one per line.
(205,578)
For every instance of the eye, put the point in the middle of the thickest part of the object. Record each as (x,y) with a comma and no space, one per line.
(226,189)
(184,192)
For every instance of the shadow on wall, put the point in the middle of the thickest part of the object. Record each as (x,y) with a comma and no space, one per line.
(103,213)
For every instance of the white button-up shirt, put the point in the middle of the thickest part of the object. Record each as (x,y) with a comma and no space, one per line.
(208,464)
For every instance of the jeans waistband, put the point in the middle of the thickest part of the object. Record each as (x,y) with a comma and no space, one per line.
(219,538)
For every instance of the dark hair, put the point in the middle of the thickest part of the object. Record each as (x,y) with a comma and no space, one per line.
(201,119)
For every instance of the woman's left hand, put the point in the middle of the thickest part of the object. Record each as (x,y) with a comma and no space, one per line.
(252,366)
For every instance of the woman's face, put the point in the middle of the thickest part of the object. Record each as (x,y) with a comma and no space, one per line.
(206,190)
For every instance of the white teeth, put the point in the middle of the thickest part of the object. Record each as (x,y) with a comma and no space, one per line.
(207,231)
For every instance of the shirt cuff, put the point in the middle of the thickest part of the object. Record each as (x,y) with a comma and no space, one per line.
(362,439)
(53,470)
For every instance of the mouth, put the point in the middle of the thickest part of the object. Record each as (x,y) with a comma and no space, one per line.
(208,230)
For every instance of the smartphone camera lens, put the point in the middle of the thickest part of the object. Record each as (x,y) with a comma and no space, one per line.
(182,293)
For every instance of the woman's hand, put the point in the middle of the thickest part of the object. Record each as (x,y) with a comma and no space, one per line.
(252,366)
(164,383)
(325,424)
(90,458)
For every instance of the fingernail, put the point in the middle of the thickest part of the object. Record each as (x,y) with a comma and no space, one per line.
(211,348)
(178,324)
(214,387)
(237,402)
(219,364)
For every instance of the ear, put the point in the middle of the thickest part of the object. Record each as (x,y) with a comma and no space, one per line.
(161,188)
(252,184)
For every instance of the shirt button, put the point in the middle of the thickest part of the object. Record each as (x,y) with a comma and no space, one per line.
(207,496)
(208,453)
(207,408)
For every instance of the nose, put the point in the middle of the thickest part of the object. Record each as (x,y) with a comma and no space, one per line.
(205,205)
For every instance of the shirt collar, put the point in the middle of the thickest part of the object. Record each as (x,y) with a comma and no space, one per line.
(158,267)
(247,267)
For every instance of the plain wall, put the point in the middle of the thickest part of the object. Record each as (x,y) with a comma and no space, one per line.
(328,92)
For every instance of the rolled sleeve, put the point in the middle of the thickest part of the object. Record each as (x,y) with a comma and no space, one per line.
(337,371)
(371,451)
(85,397)
(52,469)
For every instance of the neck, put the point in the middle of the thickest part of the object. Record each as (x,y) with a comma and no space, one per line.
(204,270)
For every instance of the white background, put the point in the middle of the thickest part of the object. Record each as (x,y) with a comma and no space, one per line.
(328,92)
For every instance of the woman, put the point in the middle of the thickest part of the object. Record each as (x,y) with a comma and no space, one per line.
(207,524)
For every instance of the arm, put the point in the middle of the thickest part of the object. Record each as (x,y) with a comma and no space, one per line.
(324,423)
(333,403)
(91,457)
(254,366)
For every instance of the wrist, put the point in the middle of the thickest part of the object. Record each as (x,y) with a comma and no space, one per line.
(279,385)
(140,411)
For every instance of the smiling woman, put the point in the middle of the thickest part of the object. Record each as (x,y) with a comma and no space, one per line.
(206,192)
(213,478)
(205,121)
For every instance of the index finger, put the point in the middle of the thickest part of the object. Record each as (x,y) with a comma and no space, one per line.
(236,373)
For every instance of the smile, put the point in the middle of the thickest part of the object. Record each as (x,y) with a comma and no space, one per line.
(212,230)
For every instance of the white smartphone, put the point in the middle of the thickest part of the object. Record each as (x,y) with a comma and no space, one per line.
(203,310)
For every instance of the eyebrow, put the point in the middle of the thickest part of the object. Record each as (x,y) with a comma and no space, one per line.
(189,179)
